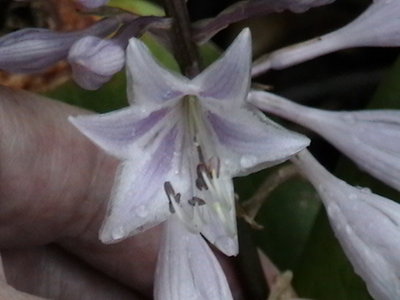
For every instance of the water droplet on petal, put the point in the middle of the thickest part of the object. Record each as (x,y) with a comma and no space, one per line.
(142,211)
(227,245)
(247,161)
(118,233)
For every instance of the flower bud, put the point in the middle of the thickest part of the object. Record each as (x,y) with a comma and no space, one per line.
(35,49)
(94,61)
(92,3)
(378,26)
(371,138)
(366,225)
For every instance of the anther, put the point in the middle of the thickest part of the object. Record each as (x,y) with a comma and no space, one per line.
(196,201)
(172,196)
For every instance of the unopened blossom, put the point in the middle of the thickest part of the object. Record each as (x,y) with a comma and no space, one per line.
(205,29)
(92,3)
(371,138)
(95,60)
(181,141)
(35,49)
(378,26)
(366,225)
(187,268)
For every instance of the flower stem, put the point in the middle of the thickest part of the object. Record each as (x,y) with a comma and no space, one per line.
(185,49)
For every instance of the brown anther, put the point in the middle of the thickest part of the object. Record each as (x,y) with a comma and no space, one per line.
(200,184)
(172,196)
(196,201)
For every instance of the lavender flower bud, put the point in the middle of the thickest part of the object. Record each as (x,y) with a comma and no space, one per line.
(378,26)
(92,3)
(94,61)
(299,6)
(366,225)
(370,138)
(35,49)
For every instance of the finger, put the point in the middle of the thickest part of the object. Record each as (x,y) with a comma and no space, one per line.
(52,179)
(49,272)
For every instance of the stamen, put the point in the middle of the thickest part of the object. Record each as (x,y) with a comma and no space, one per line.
(193,222)
(172,196)
(199,150)
(214,166)
(196,201)
(200,183)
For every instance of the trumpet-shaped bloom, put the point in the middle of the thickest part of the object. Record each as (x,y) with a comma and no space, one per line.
(46,47)
(181,142)
(378,26)
(93,3)
(366,225)
(187,268)
(94,60)
(371,138)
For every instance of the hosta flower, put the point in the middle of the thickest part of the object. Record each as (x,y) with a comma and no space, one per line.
(181,141)
(93,3)
(371,138)
(378,26)
(366,225)
(94,61)
(205,29)
(45,46)
(187,268)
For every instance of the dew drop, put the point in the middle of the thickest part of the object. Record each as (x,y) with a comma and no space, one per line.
(118,233)
(142,211)
(226,244)
(348,229)
(247,161)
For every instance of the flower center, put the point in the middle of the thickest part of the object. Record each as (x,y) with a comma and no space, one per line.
(211,195)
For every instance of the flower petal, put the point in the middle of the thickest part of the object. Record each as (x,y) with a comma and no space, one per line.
(149,83)
(251,142)
(187,269)
(228,79)
(138,200)
(366,225)
(116,132)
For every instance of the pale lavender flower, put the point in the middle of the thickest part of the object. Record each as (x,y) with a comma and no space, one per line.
(181,142)
(35,49)
(187,268)
(371,138)
(378,26)
(366,225)
(94,60)
(204,30)
(93,3)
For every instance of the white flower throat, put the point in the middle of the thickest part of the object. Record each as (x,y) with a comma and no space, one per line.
(209,191)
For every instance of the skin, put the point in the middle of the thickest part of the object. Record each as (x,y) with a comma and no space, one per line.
(54,188)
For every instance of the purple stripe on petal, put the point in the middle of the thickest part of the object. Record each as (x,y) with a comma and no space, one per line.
(160,165)
(231,134)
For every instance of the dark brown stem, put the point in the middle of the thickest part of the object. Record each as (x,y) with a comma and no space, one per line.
(185,50)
